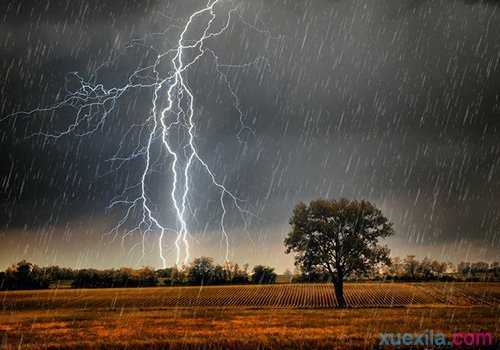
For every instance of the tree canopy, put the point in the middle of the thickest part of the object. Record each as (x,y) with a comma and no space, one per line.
(339,236)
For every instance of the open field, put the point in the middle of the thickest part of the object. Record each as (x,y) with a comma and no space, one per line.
(275,296)
(242,317)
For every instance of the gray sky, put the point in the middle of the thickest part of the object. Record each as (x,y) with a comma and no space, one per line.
(396,102)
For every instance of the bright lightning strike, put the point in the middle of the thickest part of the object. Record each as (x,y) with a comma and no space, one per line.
(172,109)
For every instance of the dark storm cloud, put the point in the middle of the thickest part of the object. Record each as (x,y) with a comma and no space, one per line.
(394,101)
(390,103)
(43,42)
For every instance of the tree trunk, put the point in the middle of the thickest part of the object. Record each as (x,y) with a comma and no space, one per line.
(338,284)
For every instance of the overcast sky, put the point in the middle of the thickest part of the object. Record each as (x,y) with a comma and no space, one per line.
(397,102)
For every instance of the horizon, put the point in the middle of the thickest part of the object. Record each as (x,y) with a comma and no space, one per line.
(348,132)
(455,259)
(383,101)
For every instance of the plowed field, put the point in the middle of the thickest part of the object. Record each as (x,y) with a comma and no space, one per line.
(275,296)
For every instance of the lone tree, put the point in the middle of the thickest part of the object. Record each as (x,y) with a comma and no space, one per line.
(341,237)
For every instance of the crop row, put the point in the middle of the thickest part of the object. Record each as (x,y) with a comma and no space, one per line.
(278,296)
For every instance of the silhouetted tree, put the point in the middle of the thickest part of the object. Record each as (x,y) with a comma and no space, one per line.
(312,274)
(204,271)
(124,277)
(24,275)
(263,275)
(174,276)
(411,266)
(235,274)
(201,270)
(396,267)
(340,237)
(495,269)
(145,277)
(56,273)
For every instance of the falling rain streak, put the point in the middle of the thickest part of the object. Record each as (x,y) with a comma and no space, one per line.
(152,132)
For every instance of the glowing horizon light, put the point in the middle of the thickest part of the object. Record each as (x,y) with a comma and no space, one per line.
(92,100)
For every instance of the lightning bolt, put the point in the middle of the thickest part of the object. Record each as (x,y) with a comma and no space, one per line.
(94,104)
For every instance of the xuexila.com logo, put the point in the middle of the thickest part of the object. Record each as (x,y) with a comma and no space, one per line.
(431,339)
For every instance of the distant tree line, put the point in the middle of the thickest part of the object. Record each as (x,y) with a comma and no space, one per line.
(410,269)
(337,240)
(124,277)
(202,271)
(24,275)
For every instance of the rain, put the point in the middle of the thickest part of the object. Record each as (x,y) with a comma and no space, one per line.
(249,174)
(394,102)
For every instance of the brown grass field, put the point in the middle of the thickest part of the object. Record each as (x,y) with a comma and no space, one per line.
(295,316)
